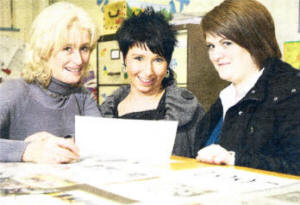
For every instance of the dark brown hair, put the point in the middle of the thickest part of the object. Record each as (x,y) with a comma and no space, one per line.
(246,22)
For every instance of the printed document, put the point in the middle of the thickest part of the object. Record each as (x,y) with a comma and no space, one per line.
(147,140)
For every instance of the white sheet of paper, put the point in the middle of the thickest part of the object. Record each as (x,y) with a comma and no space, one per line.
(149,140)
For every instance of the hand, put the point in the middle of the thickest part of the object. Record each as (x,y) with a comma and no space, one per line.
(44,147)
(215,154)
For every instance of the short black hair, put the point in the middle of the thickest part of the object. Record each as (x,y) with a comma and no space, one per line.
(149,28)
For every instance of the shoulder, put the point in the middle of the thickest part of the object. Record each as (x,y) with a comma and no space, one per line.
(112,100)
(181,93)
(284,82)
(84,94)
(14,88)
(182,105)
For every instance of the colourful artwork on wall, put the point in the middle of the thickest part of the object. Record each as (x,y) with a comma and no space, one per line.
(291,53)
(116,12)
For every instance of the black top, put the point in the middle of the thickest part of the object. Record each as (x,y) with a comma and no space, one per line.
(155,114)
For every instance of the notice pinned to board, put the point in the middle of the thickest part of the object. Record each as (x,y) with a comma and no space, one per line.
(291,53)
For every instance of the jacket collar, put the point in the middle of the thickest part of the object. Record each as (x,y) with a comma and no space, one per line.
(180,104)
(276,72)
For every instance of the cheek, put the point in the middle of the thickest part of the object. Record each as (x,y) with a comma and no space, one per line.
(133,68)
(161,71)
(210,56)
(86,58)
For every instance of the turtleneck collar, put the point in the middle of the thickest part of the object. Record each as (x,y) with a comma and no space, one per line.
(59,87)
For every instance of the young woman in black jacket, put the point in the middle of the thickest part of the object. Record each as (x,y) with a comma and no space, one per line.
(256,120)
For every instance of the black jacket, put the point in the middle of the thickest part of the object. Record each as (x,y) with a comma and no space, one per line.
(264,127)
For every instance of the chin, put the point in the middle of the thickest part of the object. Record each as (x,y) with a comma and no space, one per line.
(224,76)
(72,82)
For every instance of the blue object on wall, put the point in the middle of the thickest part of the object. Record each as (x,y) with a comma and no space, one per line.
(100,2)
(172,5)
(182,4)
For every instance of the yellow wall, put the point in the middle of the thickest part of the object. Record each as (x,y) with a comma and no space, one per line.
(285,15)
(24,13)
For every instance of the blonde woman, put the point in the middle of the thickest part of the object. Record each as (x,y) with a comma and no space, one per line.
(38,111)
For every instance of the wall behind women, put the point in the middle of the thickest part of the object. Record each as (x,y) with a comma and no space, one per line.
(24,11)
(286,15)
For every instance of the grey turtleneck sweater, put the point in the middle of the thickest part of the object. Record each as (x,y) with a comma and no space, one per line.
(28,108)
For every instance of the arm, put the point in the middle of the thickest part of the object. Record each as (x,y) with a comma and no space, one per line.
(279,144)
(44,147)
(40,147)
(88,104)
(282,152)
(10,150)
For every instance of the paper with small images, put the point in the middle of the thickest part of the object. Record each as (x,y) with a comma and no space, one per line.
(212,185)
(146,183)
(26,181)
(146,140)
(95,171)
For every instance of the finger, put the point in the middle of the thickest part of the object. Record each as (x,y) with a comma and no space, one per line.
(212,154)
(205,156)
(39,136)
(65,156)
(67,144)
(220,159)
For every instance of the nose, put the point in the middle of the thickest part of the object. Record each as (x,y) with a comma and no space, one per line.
(77,58)
(216,54)
(148,68)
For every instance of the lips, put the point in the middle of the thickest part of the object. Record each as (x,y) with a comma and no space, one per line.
(73,70)
(222,64)
(145,81)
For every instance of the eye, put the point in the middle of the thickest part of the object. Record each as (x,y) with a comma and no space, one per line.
(227,43)
(210,46)
(67,48)
(138,58)
(159,59)
(85,48)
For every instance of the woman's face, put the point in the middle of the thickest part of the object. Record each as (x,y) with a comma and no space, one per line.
(233,62)
(69,63)
(146,70)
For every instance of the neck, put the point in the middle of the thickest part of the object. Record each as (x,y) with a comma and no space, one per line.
(59,87)
(137,95)
(243,86)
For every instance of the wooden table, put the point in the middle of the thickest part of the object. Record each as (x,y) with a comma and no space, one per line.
(118,181)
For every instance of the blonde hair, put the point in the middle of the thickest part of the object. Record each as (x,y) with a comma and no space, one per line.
(49,33)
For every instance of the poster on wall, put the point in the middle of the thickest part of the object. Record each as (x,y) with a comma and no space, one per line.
(291,53)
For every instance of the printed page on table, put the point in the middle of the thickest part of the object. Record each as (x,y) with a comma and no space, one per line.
(211,185)
(146,140)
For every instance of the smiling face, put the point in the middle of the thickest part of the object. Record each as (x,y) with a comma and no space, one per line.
(232,62)
(69,63)
(146,70)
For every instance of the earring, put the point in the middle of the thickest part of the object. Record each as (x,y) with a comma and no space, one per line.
(167,74)
(124,67)
(124,71)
